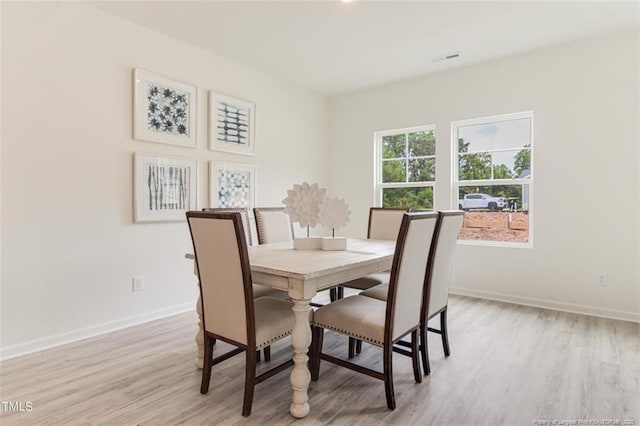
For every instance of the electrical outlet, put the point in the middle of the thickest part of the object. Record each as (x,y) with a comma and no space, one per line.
(603,280)
(137,284)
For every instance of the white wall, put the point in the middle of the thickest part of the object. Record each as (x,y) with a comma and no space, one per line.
(70,248)
(584,96)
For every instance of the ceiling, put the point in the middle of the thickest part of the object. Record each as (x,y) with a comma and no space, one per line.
(334,47)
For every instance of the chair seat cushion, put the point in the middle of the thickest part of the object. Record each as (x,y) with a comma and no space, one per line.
(378,292)
(355,316)
(368,281)
(263,291)
(274,320)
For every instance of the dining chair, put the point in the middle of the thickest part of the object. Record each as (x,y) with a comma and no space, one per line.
(244,214)
(258,290)
(384,224)
(273,225)
(382,323)
(436,298)
(230,312)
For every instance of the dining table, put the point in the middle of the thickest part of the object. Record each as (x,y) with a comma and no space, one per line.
(302,273)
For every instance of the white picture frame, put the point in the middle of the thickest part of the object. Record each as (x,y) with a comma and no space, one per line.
(231,124)
(164,188)
(164,110)
(232,185)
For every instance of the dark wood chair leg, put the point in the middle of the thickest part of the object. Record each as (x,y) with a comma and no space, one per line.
(417,374)
(312,349)
(340,292)
(267,353)
(445,333)
(388,375)
(208,362)
(249,380)
(318,336)
(352,347)
(358,346)
(424,349)
(333,294)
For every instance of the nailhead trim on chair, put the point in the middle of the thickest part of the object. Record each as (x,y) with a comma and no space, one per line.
(273,340)
(348,333)
(261,227)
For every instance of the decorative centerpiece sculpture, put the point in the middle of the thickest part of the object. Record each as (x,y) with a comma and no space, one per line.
(303,205)
(333,213)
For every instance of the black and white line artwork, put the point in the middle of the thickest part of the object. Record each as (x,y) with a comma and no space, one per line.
(168,187)
(164,187)
(167,110)
(233,123)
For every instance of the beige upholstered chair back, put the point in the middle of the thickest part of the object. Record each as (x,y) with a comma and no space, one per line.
(225,275)
(444,247)
(384,223)
(244,214)
(273,225)
(408,273)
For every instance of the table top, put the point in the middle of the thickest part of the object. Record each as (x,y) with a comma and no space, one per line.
(278,265)
(282,259)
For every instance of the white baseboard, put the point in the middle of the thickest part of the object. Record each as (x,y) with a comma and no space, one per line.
(548,304)
(96,330)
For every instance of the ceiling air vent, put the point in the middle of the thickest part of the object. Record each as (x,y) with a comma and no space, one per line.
(448,57)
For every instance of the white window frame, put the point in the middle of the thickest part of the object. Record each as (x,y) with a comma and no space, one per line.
(377,179)
(456,184)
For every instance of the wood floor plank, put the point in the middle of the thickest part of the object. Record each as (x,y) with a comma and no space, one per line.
(509,364)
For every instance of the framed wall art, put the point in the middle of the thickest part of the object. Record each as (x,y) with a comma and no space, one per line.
(232,185)
(164,110)
(164,188)
(231,124)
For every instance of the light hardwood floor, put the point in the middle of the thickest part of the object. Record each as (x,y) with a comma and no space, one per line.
(509,364)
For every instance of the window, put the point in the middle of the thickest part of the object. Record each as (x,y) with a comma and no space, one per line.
(492,177)
(406,167)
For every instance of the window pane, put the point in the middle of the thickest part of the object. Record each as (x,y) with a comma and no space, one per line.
(422,170)
(511,164)
(522,163)
(503,165)
(394,146)
(498,149)
(474,166)
(422,143)
(512,134)
(394,171)
(493,136)
(475,138)
(495,213)
(417,198)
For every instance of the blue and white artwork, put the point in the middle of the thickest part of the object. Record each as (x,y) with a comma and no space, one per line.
(164,187)
(168,187)
(167,110)
(232,185)
(231,124)
(164,110)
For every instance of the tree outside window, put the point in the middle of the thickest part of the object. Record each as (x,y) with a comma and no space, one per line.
(406,167)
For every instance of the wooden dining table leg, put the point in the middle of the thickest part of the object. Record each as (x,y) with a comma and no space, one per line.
(300,376)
